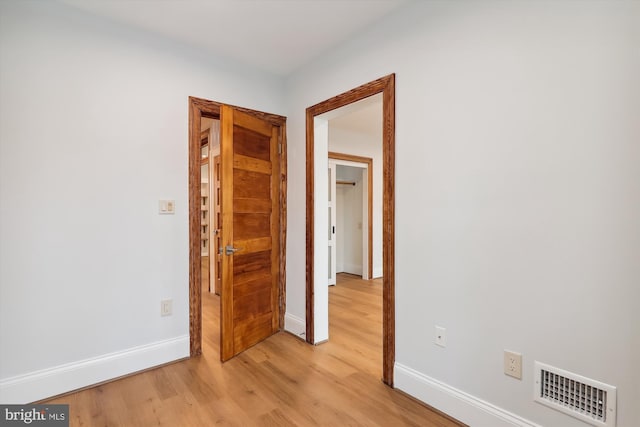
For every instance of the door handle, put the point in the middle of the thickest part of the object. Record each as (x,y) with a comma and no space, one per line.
(230,250)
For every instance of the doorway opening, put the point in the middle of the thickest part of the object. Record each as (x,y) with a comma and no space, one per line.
(210,206)
(239,142)
(316,261)
(351,215)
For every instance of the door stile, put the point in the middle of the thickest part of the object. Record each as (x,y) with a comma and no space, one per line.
(275,226)
(226,208)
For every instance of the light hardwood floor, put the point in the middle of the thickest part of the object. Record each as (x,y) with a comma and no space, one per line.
(282,381)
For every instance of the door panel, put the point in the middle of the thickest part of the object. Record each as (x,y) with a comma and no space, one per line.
(251,205)
(251,332)
(251,185)
(252,266)
(250,225)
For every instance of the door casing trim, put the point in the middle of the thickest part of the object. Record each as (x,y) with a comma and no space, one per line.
(198,108)
(386,86)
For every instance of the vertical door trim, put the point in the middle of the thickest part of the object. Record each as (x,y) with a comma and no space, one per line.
(369,162)
(386,86)
(199,107)
(226,181)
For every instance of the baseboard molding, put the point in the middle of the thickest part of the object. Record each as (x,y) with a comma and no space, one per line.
(353,269)
(456,403)
(50,382)
(295,325)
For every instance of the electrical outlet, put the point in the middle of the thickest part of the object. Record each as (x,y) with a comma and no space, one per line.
(165,307)
(440,337)
(513,364)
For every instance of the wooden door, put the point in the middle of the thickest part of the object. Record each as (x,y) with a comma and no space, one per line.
(250,230)
(217,227)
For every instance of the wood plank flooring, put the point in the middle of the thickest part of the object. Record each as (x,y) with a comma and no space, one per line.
(282,381)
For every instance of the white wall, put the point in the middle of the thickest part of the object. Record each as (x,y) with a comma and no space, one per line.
(517,196)
(93,132)
(321,220)
(365,144)
(517,191)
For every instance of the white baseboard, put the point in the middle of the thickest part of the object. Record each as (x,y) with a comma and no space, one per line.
(456,403)
(50,382)
(353,269)
(295,325)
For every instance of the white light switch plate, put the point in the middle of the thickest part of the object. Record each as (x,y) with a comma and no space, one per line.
(167,207)
(166,307)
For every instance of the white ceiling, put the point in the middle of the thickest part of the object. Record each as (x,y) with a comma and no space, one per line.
(277,36)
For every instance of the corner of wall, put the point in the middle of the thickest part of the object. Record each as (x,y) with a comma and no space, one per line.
(295,325)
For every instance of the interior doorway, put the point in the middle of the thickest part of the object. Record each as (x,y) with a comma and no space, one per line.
(253,204)
(210,151)
(348,222)
(316,211)
(351,179)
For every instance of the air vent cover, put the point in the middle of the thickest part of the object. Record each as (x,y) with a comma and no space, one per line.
(586,399)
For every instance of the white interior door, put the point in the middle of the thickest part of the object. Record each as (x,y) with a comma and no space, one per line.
(365,224)
(332,223)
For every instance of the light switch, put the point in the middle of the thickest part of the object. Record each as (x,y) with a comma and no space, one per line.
(166,207)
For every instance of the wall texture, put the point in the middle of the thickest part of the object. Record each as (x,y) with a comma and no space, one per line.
(93,132)
(517,196)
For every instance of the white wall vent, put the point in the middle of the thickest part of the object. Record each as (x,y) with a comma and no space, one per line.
(583,398)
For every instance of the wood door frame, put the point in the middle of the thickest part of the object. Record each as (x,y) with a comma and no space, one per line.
(198,108)
(369,162)
(386,86)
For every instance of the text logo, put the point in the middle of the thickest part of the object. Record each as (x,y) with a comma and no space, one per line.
(34,415)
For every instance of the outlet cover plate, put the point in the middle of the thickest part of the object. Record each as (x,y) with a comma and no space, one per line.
(513,364)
